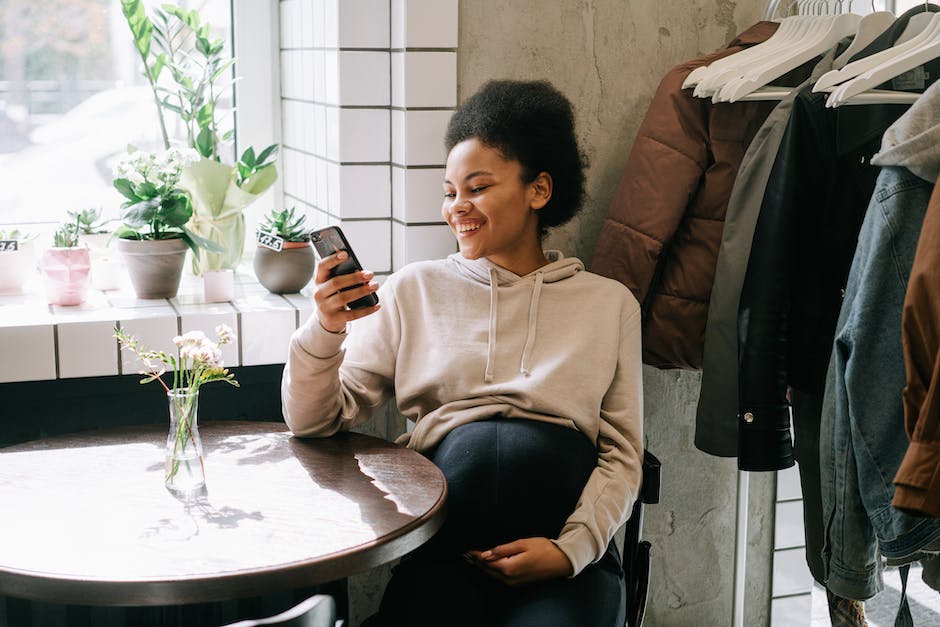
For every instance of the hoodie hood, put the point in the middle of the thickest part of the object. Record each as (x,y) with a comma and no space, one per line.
(913,142)
(484,271)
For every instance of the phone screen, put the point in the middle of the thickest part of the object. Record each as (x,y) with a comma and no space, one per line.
(331,240)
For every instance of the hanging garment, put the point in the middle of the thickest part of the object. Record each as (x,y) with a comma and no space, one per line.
(862,436)
(801,252)
(716,426)
(663,227)
(917,483)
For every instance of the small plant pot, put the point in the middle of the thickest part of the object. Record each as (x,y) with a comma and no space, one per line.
(16,266)
(218,285)
(155,266)
(66,273)
(287,271)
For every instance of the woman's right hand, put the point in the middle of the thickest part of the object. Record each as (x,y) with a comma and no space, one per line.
(332,310)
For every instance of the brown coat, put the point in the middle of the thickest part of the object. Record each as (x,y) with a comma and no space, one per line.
(664,223)
(917,483)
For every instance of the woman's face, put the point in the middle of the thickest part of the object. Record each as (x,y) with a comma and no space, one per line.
(489,208)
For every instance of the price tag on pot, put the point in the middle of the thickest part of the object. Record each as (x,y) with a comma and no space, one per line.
(9,245)
(270,240)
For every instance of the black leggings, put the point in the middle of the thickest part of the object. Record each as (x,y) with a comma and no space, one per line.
(506,480)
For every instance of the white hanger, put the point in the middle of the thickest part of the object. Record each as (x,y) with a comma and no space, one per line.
(791,30)
(828,33)
(870,28)
(928,50)
(860,66)
(707,73)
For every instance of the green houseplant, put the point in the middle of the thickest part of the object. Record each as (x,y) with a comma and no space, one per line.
(94,232)
(284,262)
(177,41)
(66,267)
(154,232)
(17,259)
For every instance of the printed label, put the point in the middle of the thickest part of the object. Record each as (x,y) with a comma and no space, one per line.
(9,245)
(912,80)
(270,240)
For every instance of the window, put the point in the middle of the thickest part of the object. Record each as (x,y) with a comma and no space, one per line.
(72,98)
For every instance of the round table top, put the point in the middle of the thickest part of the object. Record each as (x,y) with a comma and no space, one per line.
(86,518)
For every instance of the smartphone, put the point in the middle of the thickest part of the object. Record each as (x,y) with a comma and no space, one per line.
(331,240)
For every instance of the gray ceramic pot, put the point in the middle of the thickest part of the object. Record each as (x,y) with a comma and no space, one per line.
(287,271)
(155,266)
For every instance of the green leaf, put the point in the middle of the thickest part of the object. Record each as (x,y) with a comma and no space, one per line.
(136,15)
(248,157)
(141,213)
(220,70)
(204,142)
(270,151)
(196,242)
(145,190)
(125,188)
(202,45)
(204,115)
(175,210)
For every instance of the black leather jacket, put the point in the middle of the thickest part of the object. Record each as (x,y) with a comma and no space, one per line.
(801,253)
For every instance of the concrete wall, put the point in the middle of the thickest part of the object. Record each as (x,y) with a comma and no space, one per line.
(608,57)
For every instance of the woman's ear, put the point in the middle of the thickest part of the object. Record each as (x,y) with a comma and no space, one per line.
(541,190)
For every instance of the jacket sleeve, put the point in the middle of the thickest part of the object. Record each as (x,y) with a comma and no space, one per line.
(763,315)
(917,484)
(666,163)
(608,496)
(335,381)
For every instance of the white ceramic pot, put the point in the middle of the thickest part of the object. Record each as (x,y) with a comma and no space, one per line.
(16,267)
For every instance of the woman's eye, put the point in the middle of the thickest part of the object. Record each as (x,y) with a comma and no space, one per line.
(450,194)
(477,190)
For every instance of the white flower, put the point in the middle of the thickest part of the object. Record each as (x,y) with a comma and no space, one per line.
(225,334)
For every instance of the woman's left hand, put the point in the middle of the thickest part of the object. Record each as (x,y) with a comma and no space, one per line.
(523,561)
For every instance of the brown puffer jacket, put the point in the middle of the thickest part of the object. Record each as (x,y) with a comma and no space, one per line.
(664,223)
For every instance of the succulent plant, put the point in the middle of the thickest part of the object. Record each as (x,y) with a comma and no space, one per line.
(286,225)
(66,236)
(89,221)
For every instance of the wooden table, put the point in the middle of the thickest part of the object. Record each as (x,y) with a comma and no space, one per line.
(85,519)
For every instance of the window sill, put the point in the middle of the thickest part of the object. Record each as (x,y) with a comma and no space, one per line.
(41,342)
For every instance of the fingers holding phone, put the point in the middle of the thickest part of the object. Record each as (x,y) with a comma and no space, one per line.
(344,291)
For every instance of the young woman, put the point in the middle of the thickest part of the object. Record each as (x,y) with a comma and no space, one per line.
(520,369)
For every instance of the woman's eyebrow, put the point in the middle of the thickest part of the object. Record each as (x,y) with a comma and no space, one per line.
(471,175)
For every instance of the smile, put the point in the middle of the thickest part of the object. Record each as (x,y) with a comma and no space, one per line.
(464,228)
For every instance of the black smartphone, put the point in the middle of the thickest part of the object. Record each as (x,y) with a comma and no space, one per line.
(331,240)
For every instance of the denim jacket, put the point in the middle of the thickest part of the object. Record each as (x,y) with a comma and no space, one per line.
(862,439)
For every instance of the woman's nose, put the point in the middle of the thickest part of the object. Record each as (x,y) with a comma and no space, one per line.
(461,205)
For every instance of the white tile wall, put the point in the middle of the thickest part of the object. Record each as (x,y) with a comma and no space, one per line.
(418,137)
(424,23)
(87,349)
(417,194)
(792,582)
(363,24)
(424,79)
(343,134)
(28,352)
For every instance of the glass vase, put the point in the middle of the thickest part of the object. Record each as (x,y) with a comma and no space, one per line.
(185,470)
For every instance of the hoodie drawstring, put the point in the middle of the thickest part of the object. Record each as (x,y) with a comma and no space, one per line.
(491,343)
(533,319)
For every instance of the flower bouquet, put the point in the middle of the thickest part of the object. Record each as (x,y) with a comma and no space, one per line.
(198,361)
(178,41)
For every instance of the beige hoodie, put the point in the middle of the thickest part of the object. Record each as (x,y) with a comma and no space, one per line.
(458,341)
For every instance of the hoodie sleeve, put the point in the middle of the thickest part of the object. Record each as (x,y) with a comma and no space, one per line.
(612,488)
(335,381)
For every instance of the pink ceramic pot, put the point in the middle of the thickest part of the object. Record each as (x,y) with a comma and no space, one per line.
(65,274)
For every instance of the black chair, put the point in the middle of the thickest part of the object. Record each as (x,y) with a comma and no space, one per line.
(317,611)
(636,552)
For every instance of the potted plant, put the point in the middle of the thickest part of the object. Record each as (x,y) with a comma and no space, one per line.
(106,269)
(284,261)
(17,259)
(66,267)
(154,235)
(178,41)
